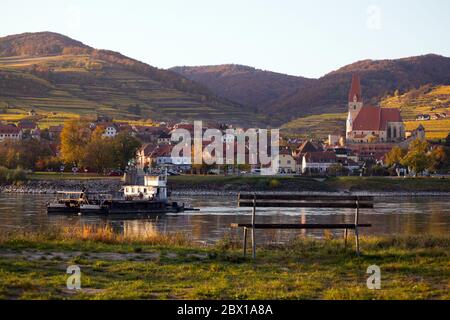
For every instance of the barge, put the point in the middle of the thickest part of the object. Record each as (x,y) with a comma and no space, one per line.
(148,198)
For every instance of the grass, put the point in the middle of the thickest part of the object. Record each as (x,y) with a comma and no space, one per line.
(67,176)
(33,266)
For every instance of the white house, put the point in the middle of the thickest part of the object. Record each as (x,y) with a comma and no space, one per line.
(10,132)
(110,130)
(318,162)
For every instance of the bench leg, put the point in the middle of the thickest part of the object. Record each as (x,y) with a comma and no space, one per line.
(245,242)
(357,240)
(345,238)
(253,244)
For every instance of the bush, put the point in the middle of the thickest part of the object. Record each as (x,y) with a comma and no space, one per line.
(12,175)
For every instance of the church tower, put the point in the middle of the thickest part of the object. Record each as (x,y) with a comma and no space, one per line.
(355,102)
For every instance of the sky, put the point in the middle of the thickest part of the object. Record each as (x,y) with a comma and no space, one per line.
(303,38)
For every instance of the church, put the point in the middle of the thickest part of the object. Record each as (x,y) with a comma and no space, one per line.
(371,124)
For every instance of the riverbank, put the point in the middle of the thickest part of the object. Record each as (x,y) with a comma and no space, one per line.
(33,266)
(231,185)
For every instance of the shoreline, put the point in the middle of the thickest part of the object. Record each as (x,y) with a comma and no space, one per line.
(51,187)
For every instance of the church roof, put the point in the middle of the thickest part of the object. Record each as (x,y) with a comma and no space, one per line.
(355,89)
(371,118)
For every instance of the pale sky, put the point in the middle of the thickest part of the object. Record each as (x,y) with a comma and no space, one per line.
(305,38)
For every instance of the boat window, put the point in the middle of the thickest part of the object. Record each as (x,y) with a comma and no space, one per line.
(132,190)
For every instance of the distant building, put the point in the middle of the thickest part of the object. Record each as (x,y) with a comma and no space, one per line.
(164,138)
(111,130)
(54,132)
(10,132)
(286,163)
(369,124)
(318,162)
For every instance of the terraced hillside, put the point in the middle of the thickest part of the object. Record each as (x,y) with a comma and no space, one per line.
(59,75)
(425,100)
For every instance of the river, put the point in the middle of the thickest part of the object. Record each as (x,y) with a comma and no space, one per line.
(391,215)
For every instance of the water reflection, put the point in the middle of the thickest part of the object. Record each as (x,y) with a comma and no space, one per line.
(390,216)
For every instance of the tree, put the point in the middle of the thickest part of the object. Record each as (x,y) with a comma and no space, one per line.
(395,156)
(99,152)
(439,159)
(447,141)
(417,157)
(124,149)
(74,139)
(24,154)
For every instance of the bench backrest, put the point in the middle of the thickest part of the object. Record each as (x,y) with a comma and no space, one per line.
(304,201)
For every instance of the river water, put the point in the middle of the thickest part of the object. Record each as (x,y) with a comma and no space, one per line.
(404,215)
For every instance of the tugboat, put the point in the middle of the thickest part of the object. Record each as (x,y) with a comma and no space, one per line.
(149,198)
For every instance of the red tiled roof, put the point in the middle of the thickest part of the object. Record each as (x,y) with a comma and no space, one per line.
(162,151)
(371,118)
(324,157)
(26,124)
(56,129)
(9,129)
(355,89)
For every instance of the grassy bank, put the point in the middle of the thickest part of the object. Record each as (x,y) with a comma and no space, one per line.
(289,183)
(171,267)
(68,176)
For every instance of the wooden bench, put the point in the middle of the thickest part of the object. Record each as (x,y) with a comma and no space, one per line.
(302,201)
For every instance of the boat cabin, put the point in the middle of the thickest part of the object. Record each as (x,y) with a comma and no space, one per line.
(154,188)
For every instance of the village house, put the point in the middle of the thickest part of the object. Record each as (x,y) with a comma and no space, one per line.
(164,138)
(29,129)
(111,129)
(10,132)
(286,161)
(318,162)
(54,132)
(149,133)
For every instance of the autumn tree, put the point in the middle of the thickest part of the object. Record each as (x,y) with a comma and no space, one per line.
(439,158)
(395,156)
(417,157)
(24,154)
(74,138)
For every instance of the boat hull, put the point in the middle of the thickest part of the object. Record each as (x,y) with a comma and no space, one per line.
(62,210)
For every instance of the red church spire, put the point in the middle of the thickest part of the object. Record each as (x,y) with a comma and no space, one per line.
(355,89)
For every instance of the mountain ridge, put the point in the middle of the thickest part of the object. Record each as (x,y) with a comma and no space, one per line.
(47,66)
(328,94)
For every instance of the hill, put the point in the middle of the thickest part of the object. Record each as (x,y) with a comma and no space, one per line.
(427,99)
(246,85)
(291,97)
(53,73)
(378,79)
